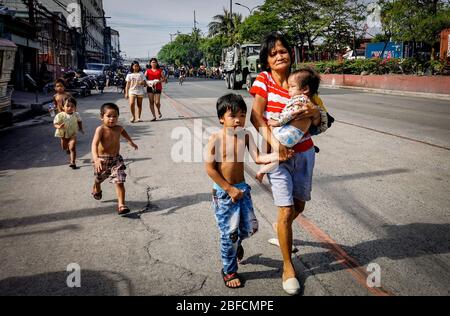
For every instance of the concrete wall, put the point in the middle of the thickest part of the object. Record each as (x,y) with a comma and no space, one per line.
(427,84)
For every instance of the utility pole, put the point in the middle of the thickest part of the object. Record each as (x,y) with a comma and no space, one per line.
(82,60)
(195,22)
(231,16)
(31,12)
(195,27)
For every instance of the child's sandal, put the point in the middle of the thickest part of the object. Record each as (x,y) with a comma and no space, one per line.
(123,210)
(97,195)
(227,278)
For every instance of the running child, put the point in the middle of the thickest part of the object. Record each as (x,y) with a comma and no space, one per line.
(67,124)
(60,96)
(108,163)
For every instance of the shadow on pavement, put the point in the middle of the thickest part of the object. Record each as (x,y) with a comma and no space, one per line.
(36,147)
(416,240)
(93,283)
(171,205)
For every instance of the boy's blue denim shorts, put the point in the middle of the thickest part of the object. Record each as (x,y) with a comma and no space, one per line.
(236,221)
(292,179)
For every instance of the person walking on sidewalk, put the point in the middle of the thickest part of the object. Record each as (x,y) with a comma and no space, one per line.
(67,124)
(155,78)
(135,90)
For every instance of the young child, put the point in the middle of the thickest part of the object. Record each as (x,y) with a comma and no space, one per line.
(108,163)
(231,195)
(303,88)
(67,124)
(60,96)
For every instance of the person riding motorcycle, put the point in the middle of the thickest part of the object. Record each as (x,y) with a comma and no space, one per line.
(182,75)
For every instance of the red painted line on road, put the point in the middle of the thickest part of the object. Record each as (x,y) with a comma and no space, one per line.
(353,267)
(344,259)
(176,105)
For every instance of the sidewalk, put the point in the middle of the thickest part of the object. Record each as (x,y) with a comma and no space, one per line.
(24,104)
(392,92)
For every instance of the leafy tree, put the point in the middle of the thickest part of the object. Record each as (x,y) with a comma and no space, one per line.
(212,49)
(343,19)
(415,20)
(184,50)
(225,25)
(257,26)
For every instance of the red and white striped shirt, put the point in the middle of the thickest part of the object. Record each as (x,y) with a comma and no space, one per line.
(277,98)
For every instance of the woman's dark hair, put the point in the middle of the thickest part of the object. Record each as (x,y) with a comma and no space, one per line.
(132,65)
(109,106)
(268,44)
(155,60)
(233,102)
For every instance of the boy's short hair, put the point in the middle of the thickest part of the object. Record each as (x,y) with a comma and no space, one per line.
(70,100)
(233,102)
(111,106)
(60,81)
(308,76)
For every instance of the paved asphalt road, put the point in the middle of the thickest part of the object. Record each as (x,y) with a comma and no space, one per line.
(380,200)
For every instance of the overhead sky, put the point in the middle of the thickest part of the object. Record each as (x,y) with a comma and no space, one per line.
(145,25)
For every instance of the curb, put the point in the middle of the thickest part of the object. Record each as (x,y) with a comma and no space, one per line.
(436,96)
(22,113)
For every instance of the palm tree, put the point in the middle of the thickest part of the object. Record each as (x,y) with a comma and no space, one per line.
(223,25)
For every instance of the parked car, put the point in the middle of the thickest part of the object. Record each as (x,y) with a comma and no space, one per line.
(93,69)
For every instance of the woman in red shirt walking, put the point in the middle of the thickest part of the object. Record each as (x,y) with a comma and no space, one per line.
(154,92)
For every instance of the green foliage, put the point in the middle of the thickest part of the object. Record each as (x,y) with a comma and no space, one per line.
(184,50)
(225,25)
(212,49)
(377,66)
(415,20)
(257,26)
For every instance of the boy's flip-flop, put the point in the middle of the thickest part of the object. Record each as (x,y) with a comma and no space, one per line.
(230,277)
(123,210)
(276,242)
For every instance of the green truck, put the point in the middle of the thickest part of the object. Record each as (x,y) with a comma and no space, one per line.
(241,65)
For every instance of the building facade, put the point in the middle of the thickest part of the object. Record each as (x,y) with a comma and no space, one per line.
(53,36)
(115,48)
